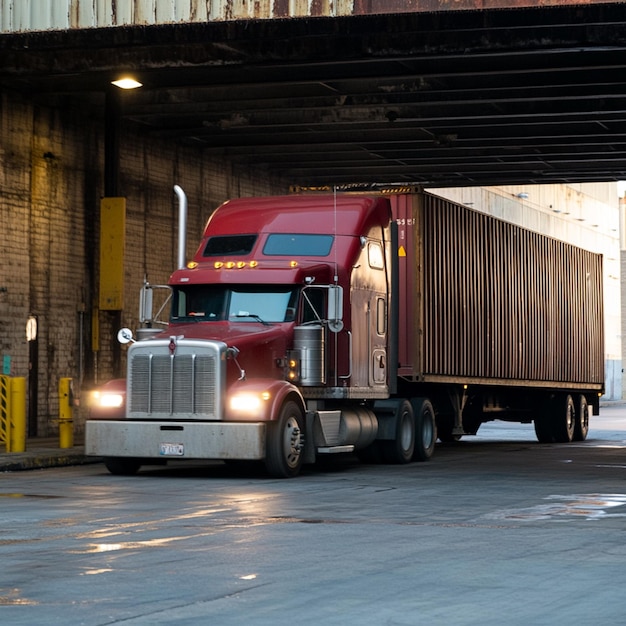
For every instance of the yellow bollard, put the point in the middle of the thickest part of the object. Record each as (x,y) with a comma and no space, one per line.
(18,414)
(66,421)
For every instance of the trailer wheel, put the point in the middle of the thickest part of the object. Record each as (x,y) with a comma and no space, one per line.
(400,450)
(543,428)
(285,442)
(581,427)
(565,423)
(120,466)
(425,430)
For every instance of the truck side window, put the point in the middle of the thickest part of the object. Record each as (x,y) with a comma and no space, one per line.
(381,316)
(375,255)
(313,305)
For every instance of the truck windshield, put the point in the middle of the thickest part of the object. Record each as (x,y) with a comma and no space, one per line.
(258,303)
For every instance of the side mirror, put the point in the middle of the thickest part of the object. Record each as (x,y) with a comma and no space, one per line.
(335,308)
(125,335)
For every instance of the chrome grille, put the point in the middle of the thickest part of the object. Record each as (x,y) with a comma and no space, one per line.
(184,385)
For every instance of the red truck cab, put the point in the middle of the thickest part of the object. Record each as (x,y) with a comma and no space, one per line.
(277,343)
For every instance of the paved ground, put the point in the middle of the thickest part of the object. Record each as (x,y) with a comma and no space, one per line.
(495,529)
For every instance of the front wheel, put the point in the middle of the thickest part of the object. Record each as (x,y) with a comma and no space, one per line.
(121,466)
(285,442)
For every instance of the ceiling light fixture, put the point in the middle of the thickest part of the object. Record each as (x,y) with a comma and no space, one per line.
(127,83)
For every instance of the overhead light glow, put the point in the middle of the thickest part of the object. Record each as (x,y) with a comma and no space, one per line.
(127,83)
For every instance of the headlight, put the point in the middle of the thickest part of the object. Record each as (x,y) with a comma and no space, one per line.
(248,403)
(108,400)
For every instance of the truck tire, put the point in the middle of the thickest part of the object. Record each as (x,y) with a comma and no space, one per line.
(400,449)
(121,466)
(565,418)
(425,429)
(285,442)
(581,427)
(543,428)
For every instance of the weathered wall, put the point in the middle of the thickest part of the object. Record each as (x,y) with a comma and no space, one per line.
(51,172)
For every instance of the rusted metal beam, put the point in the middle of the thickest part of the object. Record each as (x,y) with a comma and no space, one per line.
(53,15)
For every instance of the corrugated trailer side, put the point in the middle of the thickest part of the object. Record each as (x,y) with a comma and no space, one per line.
(483,301)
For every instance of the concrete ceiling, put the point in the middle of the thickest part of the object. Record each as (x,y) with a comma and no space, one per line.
(440,99)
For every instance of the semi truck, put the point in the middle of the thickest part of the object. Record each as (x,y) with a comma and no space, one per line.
(314,324)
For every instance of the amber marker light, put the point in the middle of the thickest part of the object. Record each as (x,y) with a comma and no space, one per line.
(253,263)
(192,265)
(218,265)
(293,263)
(241,264)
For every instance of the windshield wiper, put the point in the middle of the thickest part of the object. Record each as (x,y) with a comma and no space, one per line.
(254,316)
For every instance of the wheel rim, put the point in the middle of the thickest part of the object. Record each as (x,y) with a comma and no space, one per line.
(571,417)
(583,420)
(292,442)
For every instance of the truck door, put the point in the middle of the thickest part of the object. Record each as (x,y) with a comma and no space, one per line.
(369,319)
(378,334)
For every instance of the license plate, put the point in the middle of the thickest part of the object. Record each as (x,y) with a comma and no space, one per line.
(172,449)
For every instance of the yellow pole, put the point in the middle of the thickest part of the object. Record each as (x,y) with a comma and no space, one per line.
(18,414)
(66,422)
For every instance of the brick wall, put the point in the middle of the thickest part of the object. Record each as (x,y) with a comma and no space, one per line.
(51,181)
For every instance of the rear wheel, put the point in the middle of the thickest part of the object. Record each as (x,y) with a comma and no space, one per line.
(120,466)
(425,430)
(565,423)
(285,442)
(557,420)
(543,428)
(581,427)
(400,450)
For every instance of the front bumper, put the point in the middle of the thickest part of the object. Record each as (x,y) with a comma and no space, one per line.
(175,440)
